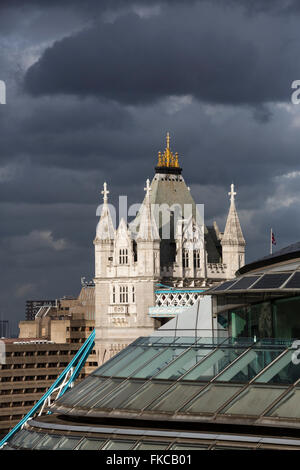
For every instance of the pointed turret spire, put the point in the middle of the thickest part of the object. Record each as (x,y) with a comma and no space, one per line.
(105,228)
(148,229)
(105,193)
(232,193)
(233,234)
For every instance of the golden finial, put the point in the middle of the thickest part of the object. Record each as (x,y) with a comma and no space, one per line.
(168,159)
(159,159)
(168,140)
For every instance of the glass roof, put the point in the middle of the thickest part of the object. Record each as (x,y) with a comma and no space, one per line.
(168,379)
(179,441)
(280,278)
(200,376)
(27,439)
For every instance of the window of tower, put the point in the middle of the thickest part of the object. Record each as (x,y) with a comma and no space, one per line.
(123,294)
(134,248)
(185,259)
(113,295)
(123,256)
(133,294)
(196,259)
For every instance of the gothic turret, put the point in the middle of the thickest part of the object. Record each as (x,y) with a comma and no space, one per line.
(148,230)
(233,242)
(105,228)
(105,234)
(148,239)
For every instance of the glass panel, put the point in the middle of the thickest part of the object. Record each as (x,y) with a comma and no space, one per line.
(211,399)
(146,395)
(240,341)
(145,355)
(90,444)
(89,400)
(271,281)
(210,341)
(213,364)
(116,398)
(283,371)
(147,445)
(82,389)
(288,407)
(175,398)
(159,362)
(232,447)
(187,340)
(48,442)
(118,445)
(25,439)
(168,340)
(30,440)
(286,318)
(124,357)
(67,443)
(294,282)
(279,342)
(225,285)
(188,447)
(253,321)
(185,362)
(18,438)
(253,401)
(92,388)
(244,283)
(249,365)
(150,340)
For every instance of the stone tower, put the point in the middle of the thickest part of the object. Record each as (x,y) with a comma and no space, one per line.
(167,243)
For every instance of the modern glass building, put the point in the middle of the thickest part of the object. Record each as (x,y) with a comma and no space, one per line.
(264,300)
(178,392)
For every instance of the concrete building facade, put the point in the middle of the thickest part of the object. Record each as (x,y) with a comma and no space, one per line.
(43,350)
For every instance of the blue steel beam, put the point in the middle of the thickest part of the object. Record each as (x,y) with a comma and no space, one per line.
(83,352)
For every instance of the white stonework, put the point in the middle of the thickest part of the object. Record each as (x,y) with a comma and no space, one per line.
(129,264)
(233,242)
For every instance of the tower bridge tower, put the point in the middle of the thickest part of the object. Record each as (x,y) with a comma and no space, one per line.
(167,243)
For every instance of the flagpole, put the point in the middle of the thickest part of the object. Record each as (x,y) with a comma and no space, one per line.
(271,242)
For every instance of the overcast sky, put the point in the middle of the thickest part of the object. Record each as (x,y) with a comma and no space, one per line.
(92,89)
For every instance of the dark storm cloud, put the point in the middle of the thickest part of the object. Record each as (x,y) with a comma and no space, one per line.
(108,81)
(251,5)
(135,60)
